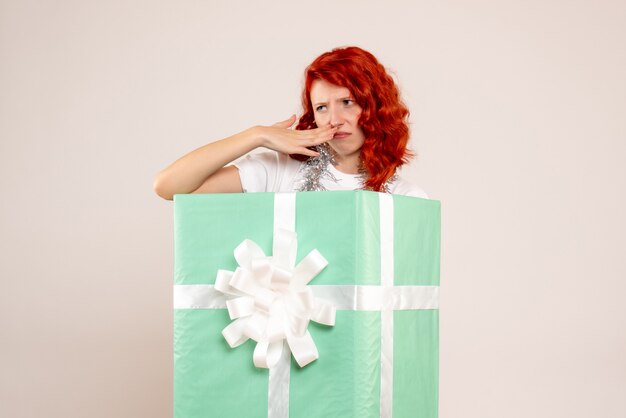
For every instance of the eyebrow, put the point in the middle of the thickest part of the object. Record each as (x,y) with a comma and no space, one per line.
(338,100)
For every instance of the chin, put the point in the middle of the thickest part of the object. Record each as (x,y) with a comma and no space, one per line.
(343,149)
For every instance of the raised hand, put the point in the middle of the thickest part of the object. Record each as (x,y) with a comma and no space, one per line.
(281,137)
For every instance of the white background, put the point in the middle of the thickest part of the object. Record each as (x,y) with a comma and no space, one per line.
(518,115)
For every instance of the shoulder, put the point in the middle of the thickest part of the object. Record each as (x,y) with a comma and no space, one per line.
(266,158)
(404,187)
(267,171)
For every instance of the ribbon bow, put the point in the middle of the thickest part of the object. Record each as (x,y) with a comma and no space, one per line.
(269,300)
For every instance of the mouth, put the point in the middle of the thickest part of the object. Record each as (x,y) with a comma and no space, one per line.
(339,135)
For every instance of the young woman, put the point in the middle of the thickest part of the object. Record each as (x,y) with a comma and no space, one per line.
(352,135)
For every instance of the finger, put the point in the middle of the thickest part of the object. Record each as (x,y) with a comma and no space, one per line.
(324,136)
(308,152)
(327,132)
(318,141)
(327,128)
(317,132)
(286,123)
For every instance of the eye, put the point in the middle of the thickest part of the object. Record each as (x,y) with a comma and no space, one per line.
(348,102)
(319,108)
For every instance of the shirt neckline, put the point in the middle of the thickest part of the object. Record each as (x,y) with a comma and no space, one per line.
(334,170)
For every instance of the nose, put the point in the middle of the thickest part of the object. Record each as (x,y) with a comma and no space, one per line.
(336,118)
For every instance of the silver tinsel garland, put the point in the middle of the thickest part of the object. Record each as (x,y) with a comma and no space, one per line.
(316,168)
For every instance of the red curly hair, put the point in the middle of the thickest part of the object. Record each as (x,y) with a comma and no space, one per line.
(384,115)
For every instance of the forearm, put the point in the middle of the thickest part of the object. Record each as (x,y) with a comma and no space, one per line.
(189,172)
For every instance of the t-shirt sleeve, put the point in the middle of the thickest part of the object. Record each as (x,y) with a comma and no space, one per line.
(417,192)
(406,188)
(258,172)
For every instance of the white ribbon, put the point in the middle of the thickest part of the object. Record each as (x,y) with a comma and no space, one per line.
(269,299)
(343,297)
(385,203)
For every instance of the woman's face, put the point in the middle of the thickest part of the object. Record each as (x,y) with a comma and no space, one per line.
(335,105)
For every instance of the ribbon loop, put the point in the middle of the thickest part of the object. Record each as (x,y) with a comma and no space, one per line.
(324,313)
(256,325)
(247,251)
(309,267)
(244,281)
(303,348)
(281,279)
(266,354)
(221,281)
(239,307)
(233,333)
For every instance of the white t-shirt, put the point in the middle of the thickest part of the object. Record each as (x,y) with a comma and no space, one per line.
(276,172)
